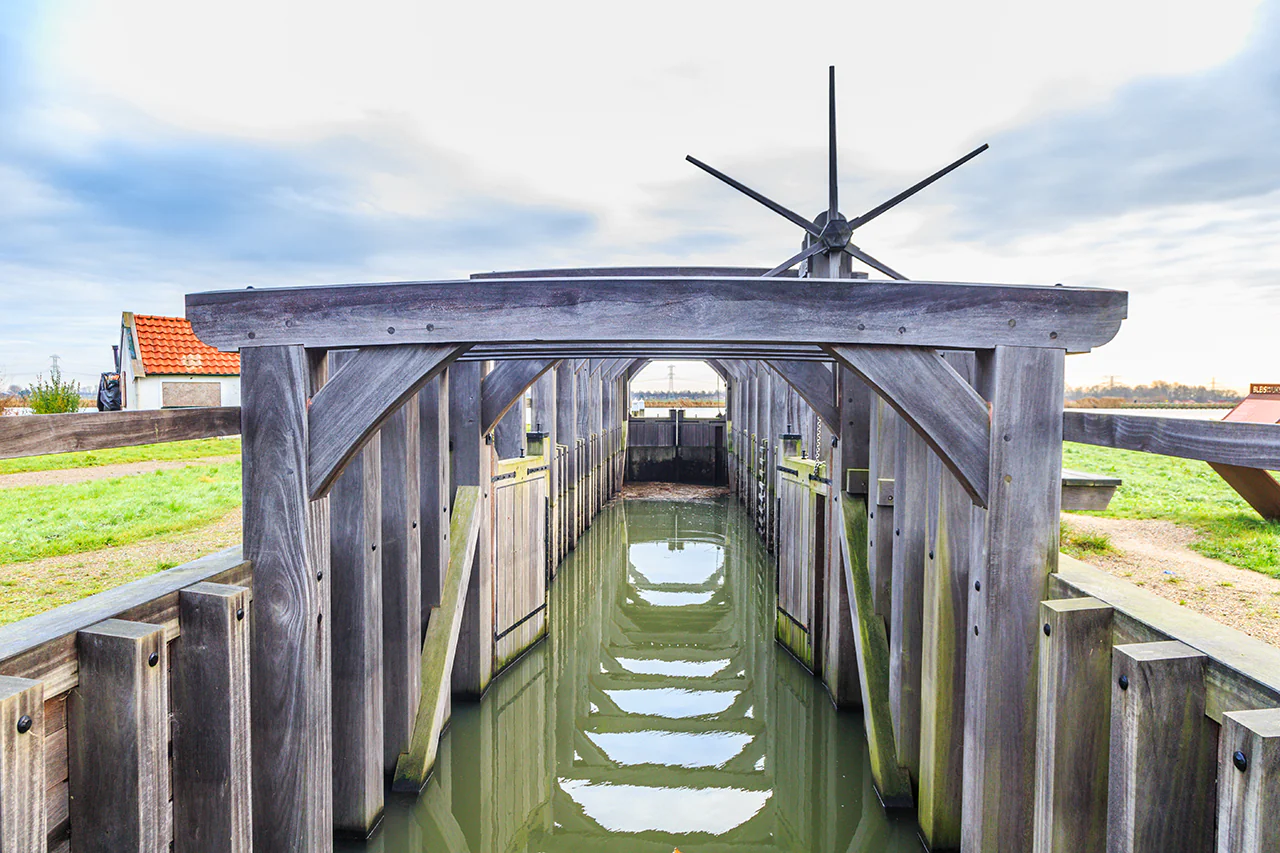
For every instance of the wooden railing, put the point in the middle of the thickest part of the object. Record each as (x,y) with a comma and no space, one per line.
(36,435)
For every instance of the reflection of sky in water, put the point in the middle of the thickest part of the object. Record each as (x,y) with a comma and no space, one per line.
(673,749)
(672,702)
(689,668)
(695,563)
(632,808)
(664,598)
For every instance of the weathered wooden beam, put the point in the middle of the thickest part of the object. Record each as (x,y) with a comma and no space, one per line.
(881,469)
(400,439)
(286,538)
(471,457)
(1225,442)
(1162,783)
(505,384)
(118,750)
(1074,726)
(440,646)
(904,313)
(39,434)
(22,761)
(604,272)
(906,620)
(1259,489)
(435,490)
(1249,782)
(815,383)
(359,397)
(212,802)
(674,351)
(928,393)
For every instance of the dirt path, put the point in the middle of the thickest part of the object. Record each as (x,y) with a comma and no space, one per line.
(1155,556)
(30,588)
(672,492)
(63,476)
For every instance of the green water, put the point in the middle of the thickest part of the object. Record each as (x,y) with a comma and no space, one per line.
(658,714)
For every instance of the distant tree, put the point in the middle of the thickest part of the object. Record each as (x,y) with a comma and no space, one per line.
(54,396)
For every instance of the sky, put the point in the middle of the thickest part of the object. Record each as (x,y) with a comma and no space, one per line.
(155,148)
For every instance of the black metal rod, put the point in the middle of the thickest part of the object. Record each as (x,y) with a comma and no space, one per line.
(906,194)
(765,200)
(808,252)
(833,194)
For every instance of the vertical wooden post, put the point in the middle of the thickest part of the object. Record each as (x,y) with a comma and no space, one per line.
(473,662)
(1163,751)
(212,802)
(286,538)
(545,407)
(777,428)
(567,434)
(881,471)
(583,414)
(1074,743)
(355,511)
(853,400)
(1249,781)
(509,432)
(906,623)
(595,413)
(435,493)
(22,809)
(401,579)
(948,530)
(1025,388)
(118,727)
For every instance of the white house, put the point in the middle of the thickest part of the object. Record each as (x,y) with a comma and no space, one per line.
(163,365)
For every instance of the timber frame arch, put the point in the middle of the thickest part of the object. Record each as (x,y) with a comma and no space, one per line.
(999,435)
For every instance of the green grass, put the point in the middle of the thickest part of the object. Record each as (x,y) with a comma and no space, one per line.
(1185,492)
(178,450)
(48,521)
(1082,544)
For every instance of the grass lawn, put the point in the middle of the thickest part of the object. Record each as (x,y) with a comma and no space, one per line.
(198,449)
(1185,492)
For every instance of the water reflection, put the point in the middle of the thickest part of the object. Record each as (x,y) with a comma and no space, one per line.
(659,713)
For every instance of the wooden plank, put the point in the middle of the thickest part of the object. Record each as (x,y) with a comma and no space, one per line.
(441,643)
(22,766)
(286,539)
(906,619)
(39,434)
(1246,445)
(922,314)
(368,389)
(1249,782)
(509,433)
(1259,489)
(928,393)
(401,578)
(506,384)
(893,782)
(118,719)
(881,469)
(1019,553)
(434,482)
(599,272)
(1074,740)
(1161,788)
(815,383)
(212,802)
(473,663)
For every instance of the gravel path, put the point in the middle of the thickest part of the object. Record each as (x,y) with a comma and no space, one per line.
(63,476)
(1155,556)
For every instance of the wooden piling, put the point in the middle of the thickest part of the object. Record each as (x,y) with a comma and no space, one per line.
(1249,781)
(434,489)
(212,801)
(22,760)
(473,663)
(906,623)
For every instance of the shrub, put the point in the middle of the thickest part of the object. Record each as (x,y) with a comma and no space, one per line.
(54,396)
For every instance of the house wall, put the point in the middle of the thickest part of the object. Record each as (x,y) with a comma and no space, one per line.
(145,392)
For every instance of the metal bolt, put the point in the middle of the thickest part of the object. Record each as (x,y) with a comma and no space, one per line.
(252,335)
(153,659)
(1047,629)
(415,525)
(1053,336)
(239,614)
(391,330)
(375,546)
(319,576)
(1007,437)
(977,586)
(902,330)
(975,630)
(431,327)
(873,515)
(930,555)
(861,327)
(1124,682)
(24,725)
(897,532)
(1240,760)
(1012,323)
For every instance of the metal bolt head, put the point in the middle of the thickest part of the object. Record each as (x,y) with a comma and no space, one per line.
(319,576)
(24,725)
(1124,682)
(975,630)
(1047,629)
(239,614)
(1240,760)
(977,586)
(153,659)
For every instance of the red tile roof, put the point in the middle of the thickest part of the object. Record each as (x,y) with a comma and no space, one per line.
(167,345)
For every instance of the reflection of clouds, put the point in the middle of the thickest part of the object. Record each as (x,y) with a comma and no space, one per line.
(688,668)
(632,808)
(673,749)
(695,562)
(664,598)
(672,702)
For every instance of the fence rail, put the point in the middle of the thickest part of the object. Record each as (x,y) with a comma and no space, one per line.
(36,435)
(1225,442)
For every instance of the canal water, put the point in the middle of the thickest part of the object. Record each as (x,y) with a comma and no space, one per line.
(658,715)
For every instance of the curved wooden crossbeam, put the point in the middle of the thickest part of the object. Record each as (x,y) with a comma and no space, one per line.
(815,384)
(506,384)
(949,415)
(716,365)
(359,397)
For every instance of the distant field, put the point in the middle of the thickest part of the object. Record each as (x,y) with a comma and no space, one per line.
(198,449)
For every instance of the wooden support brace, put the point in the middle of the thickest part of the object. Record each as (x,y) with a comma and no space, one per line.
(117,718)
(815,383)
(1074,726)
(506,384)
(22,758)
(1164,767)
(438,649)
(1259,489)
(1249,781)
(212,801)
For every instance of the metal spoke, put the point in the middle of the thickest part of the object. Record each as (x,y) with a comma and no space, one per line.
(873,263)
(833,204)
(814,248)
(906,194)
(767,202)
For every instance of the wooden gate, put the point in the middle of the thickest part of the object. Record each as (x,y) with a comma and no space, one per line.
(802,494)
(519,555)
